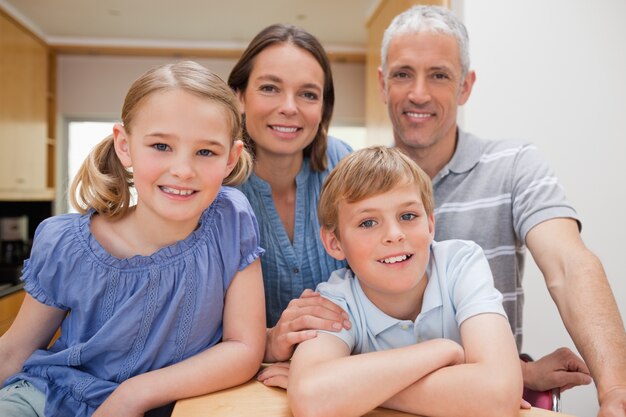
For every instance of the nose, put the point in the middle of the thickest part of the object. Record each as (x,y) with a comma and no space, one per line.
(394,233)
(182,167)
(288,106)
(420,92)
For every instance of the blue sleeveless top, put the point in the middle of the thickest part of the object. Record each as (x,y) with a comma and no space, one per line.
(290,268)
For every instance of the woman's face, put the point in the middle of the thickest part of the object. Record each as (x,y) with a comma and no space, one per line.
(283,101)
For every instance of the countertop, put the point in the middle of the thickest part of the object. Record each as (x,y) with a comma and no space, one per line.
(8,288)
(253,399)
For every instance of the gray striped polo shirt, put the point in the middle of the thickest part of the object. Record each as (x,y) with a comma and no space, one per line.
(494,192)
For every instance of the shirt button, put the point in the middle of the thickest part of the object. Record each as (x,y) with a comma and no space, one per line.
(404,327)
(296,270)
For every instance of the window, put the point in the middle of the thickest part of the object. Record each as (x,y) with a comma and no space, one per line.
(355,136)
(82,137)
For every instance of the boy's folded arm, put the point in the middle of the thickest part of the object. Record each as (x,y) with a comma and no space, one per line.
(231,362)
(324,380)
(488,383)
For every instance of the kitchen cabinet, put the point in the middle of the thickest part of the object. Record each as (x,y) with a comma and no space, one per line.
(24,101)
(9,306)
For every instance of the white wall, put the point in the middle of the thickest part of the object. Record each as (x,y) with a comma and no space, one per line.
(95,86)
(553,72)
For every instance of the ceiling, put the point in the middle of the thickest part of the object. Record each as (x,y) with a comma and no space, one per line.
(207,24)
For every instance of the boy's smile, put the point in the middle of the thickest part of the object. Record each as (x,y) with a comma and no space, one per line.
(396,259)
(386,239)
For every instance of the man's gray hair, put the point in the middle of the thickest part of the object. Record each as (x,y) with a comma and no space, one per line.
(428,19)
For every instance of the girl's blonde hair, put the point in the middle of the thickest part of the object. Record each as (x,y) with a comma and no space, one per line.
(366,173)
(103,183)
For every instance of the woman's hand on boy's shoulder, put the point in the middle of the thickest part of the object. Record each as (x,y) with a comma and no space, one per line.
(300,321)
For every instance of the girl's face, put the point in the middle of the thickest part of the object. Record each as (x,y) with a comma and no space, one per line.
(180,149)
(283,100)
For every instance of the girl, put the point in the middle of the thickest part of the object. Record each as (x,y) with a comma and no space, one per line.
(157,301)
(285,86)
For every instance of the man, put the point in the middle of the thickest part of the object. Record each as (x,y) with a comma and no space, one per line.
(503,196)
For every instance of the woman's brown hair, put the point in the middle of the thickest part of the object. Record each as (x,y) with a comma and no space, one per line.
(280,33)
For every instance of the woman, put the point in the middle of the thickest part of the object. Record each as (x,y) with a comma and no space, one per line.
(285,86)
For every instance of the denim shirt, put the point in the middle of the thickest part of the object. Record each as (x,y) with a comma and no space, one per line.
(290,268)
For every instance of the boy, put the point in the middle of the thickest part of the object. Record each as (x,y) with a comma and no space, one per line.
(429,333)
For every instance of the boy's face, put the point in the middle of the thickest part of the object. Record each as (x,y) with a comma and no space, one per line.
(386,239)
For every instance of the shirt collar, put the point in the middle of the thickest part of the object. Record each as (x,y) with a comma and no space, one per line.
(301,178)
(432,294)
(466,155)
(378,321)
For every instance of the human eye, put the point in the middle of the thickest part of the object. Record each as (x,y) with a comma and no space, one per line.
(268,88)
(441,76)
(408,216)
(400,75)
(367,224)
(205,152)
(161,147)
(310,95)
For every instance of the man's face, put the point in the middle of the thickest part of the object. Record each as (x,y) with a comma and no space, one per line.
(422,87)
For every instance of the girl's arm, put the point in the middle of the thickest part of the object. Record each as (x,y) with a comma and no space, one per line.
(324,380)
(488,384)
(231,362)
(32,329)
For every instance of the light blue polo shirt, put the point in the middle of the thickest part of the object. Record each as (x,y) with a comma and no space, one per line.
(460,285)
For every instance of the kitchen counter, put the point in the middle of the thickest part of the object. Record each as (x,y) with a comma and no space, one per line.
(9,288)
(11,296)
(255,399)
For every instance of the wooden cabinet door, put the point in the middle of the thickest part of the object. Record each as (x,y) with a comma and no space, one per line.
(9,306)
(23,113)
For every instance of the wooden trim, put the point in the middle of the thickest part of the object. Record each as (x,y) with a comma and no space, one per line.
(51,103)
(19,195)
(69,49)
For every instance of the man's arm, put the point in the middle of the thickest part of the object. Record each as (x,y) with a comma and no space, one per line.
(489,383)
(579,287)
(324,380)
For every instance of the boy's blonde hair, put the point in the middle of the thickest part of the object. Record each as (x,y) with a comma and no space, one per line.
(366,173)
(103,183)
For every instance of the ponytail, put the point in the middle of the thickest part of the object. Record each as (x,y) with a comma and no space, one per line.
(241,171)
(102,183)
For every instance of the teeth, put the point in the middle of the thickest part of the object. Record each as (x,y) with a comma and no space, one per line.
(177,192)
(418,115)
(395,259)
(285,129)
